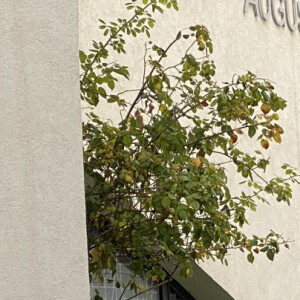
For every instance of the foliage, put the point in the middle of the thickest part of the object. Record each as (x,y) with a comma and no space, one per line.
(158,181)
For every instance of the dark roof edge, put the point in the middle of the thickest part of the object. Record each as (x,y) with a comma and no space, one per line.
(201,286)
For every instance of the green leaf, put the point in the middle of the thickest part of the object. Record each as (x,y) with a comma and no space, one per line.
(127,139)
(195,205)
(112,100)
(137,266)
(182,215)
(166,202)
(175,6)
(251,131)
(102,92)
(111,84)
(250,258)
(82,56)
(266,96)
(270,255)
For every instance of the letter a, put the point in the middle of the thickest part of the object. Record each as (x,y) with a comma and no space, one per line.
(251,2)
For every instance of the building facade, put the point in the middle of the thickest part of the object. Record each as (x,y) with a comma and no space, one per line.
(42,225)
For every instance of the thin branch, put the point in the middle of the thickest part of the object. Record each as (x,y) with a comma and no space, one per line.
(145,64)
(225,131)
(111,37)
(127,285)
(152,288)
(136,100)
(157,285)
(173,121)
(241,162)
(186,52)
(127,91)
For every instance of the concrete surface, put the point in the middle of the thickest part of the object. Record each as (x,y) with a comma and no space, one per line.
(42,212)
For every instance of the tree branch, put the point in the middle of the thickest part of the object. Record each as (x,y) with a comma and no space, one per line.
(111,37)
(157,285)
(136,100)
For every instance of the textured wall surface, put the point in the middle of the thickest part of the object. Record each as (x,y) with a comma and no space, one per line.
(242,42)
(42,220)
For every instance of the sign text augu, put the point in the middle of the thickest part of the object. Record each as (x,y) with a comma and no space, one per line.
(283,12)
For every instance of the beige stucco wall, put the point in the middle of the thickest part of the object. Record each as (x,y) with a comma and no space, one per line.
(242,42)
(42,219)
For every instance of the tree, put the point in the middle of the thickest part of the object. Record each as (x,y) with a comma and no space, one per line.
(158,181)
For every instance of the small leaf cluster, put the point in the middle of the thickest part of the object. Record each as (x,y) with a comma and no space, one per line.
(97,73)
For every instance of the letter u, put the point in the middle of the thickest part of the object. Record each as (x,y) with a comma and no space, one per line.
(265,15)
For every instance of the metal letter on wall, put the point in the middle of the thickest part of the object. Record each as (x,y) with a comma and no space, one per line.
(282,20)
(292,25)
(284,12)
(265,15)
(252,2)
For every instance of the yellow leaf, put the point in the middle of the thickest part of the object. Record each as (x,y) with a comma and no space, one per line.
(196,162)
(95,255)
(162,107)
(142,288)
(128,178)
(158,86)
(277,138)
(265,108)
(264,144)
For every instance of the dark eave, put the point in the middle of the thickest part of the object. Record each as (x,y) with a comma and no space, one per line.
(201,286)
